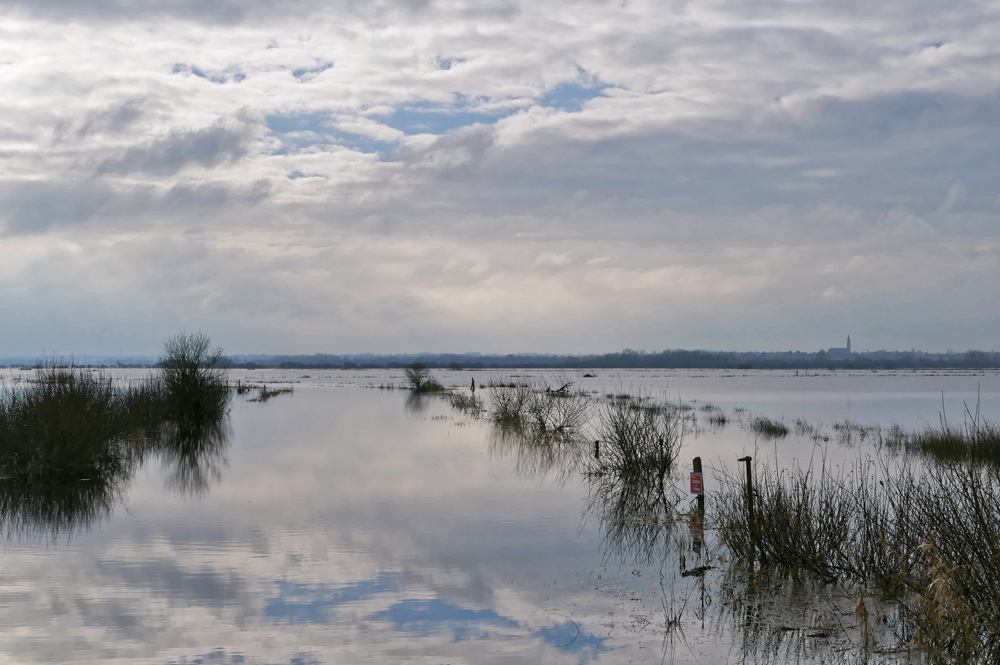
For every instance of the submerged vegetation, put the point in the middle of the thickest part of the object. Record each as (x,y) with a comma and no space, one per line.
(71,438)
(910,549)
(419,379)
(919,549)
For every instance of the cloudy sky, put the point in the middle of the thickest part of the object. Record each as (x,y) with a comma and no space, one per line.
(491,175)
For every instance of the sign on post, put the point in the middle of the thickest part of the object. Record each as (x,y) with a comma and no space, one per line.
(696,485)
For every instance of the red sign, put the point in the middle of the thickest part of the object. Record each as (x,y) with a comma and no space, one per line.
(696,486)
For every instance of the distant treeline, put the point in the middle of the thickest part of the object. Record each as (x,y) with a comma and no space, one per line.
(627,359)
(631,359)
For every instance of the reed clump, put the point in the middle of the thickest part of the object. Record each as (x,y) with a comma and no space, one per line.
(768,427)
(926,543)
(71,438)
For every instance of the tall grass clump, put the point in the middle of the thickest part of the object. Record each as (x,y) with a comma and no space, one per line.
(768,427)
(64,454)
(924,543)
(975,441)
(63,424)
(509,402)
(196,386)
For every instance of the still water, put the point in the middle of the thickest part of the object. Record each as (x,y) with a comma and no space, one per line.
(347,524)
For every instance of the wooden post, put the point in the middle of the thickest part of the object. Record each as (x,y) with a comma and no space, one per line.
(751,514)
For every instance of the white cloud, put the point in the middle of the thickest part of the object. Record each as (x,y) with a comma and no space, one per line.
(666,140)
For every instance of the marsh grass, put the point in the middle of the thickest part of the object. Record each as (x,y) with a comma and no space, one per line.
(265,394)
(926,543)
(70,439)
(62,424)
(768,427)
(66,450)
(466,403)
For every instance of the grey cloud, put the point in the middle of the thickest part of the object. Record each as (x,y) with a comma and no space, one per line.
(111,120)
(37,207)
(225,12)
(207,147)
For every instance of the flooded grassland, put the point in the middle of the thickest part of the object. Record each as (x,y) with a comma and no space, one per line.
(338,517)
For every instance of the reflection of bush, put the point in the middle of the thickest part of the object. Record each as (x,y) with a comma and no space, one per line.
(196,454)
(537,453)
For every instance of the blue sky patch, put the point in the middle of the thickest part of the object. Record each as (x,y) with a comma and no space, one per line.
(307,74)
(436,119)
(311,603)
(230,74)
(426,616)
(572,96)
(564,636)
(299,131)
(316,122)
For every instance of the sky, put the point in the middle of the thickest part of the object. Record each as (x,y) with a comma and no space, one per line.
(495,176)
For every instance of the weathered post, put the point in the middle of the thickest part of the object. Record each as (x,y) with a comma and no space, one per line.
(751,514)
(698,483)
(597,449)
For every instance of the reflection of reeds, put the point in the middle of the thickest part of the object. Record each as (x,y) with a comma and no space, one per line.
(536,453)
(630,493)
(467,403)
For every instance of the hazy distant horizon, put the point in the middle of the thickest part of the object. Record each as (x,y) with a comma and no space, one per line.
(444,357)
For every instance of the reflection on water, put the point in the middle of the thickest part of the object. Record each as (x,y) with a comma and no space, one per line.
(196,454)
(38,499)
(340,528)
(34,504)
(537,454)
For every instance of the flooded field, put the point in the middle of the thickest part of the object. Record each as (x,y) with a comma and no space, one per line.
(349,520)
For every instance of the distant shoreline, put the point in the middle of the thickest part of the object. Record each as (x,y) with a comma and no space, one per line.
(628,359)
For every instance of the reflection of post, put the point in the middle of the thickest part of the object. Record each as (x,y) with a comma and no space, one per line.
(698,519)
(751,515)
